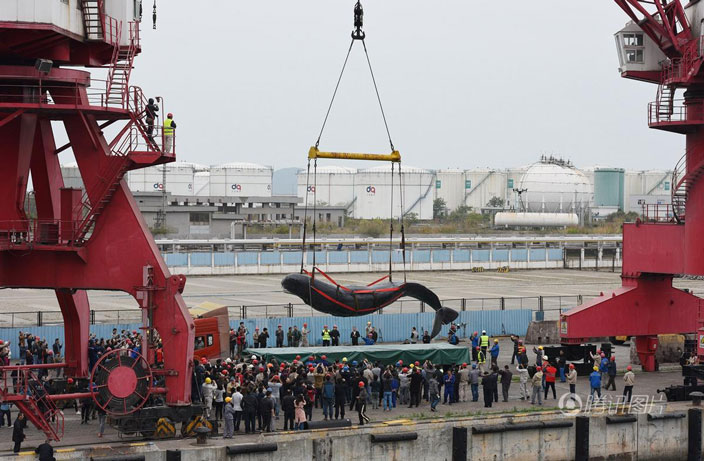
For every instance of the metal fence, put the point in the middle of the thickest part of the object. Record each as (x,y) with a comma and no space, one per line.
(550,306)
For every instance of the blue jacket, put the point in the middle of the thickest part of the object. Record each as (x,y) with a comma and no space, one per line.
(604,365)
(475,341)
(329,390)
(449,381)
(494,351)
(595,379)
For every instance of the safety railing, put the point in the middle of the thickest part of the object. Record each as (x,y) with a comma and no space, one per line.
(111,30)
(67,94)
(658,213)
(681,68)
(37,232)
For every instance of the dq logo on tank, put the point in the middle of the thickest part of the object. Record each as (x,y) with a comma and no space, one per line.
(158,186)
(371,190)
(237,187)
(311,189)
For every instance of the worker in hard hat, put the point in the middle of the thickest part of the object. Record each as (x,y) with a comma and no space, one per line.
(481,360)
(304,335)
(475,344)
(538,355)
(208,390)
(335,336)
(325,334)
(629,379)
(229,413)
(494,351)
(595,382)
(537,381)
(572,381)
(169,130)
(484,342)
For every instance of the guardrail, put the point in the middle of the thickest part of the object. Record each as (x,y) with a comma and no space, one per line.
(550,306)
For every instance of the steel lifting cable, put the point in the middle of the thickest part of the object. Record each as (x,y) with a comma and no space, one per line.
(378,97)
(391,225)
(337,86)
(400,218)
(315,209)
(305,218)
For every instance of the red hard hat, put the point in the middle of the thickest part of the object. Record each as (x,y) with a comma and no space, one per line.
(311,357)
(268,365)
(255,361)
(478,347)
(571,365)
(405,369)
(170,115)
(298,357)
(417,363)
(539,368)
(464,365)
(295,362)
(476,333)
(603,355)
(629,368)
(324,357)
(613,358)
(361,384)
(401,362)
(69,380)
(598,351)
(305,324)
(224,372)
(261,368)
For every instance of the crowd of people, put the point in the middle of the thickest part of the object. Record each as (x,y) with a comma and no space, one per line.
(295,337)
(252,395)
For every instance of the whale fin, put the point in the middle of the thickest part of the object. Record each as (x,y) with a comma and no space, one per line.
(443,316)
(423,294)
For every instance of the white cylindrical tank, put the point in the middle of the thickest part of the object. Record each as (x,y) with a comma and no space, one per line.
(201,184)
(180,177)
(483,185)
(146,179)
(450,186)
(334,185)
(241,179)
(511,219)
(554,186)
(373,192)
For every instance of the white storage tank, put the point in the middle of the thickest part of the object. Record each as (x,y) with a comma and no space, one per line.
(146,179)
(240,179)
(201,184)
(450,185)
(482,185)
(373,192)
(334,185)
(554,186)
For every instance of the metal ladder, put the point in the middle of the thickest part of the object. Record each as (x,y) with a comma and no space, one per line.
(93,19)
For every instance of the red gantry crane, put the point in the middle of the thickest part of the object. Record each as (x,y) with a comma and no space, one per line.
(91,239)
(662,45)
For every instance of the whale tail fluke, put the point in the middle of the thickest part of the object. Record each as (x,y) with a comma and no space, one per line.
(443,316)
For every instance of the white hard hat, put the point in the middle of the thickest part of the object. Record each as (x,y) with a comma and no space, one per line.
(228,360)
(545,357)
(483,332)
(254,357)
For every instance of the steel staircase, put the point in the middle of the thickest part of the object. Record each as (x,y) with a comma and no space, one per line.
(683,178)
(104,187)
(121,68)
(93,19)
(29,395)
(665,102)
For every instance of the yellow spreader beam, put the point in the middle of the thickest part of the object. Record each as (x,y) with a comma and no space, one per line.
(394,156)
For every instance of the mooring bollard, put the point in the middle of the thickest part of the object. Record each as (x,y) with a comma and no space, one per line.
(696,398)
(202,435)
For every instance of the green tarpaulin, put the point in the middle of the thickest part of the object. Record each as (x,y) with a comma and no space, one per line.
(440,353)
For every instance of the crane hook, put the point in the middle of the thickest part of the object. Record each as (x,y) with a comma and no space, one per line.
(154,15)
(358,33)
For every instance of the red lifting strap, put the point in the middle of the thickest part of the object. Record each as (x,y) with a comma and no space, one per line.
(312,275)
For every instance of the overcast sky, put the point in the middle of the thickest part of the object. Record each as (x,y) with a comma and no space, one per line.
(464,83)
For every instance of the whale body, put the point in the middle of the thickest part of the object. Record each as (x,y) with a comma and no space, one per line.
(352,301)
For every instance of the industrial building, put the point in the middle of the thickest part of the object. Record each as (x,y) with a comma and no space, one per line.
(548,187)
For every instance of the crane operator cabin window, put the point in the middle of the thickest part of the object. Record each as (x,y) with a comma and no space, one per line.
(633,46)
